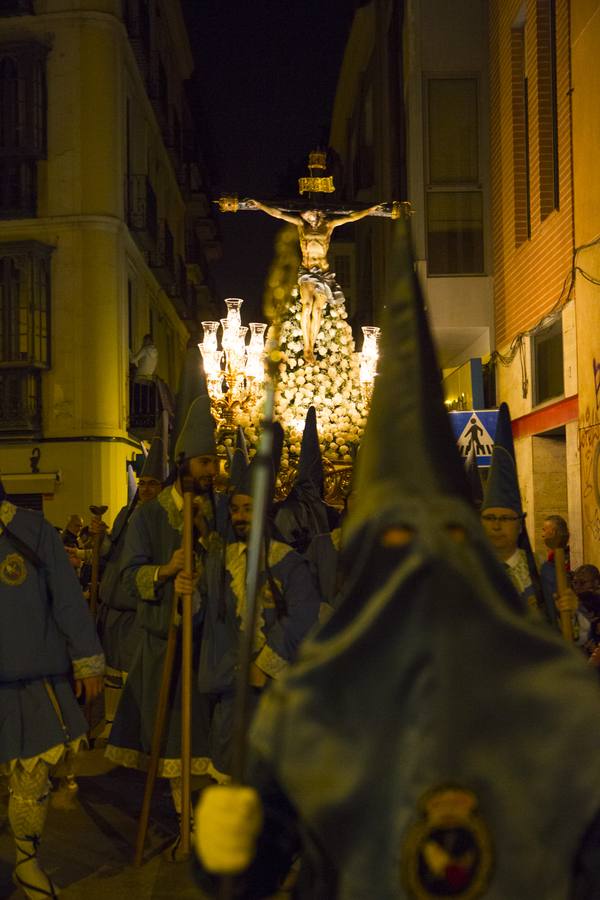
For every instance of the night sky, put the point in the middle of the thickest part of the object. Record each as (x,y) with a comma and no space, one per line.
(263,93)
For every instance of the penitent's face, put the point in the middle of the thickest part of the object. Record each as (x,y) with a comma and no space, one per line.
(148,488)
(503,527)
(549,533)
(203,470)
(240,509)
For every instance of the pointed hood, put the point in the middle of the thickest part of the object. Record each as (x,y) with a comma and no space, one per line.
(131,485)
(239,481)
(310,464)
(304,514)
(474,478)
(241,445)
(197,436)
(192,384)
(502,488)
(428,617)
(156,464)
(241,471)
(408,449)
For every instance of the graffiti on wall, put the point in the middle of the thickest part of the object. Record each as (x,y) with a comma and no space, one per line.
(589,454)
(596,366)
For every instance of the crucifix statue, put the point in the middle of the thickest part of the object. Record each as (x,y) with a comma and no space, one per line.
(315,223)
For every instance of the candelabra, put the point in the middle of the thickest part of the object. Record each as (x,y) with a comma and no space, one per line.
(235,370)
(368,359)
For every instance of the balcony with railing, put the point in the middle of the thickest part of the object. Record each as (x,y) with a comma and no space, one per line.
(20,403)
(142,211)
(158,92)
(148,398)
(193,248)
(18,188)
(162,257)
(143,405)
(137,22)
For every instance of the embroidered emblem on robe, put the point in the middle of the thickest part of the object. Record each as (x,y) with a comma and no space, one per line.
(447,852)
(13,570)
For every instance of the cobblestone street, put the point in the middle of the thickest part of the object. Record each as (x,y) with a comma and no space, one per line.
(88,849)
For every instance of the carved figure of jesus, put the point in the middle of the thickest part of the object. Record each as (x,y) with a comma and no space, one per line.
(316,282)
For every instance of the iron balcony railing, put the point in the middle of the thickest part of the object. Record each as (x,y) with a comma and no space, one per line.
(20,403)
(142,210)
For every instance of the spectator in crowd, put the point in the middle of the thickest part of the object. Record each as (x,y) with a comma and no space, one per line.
(555,534)
(146,359)
(72,530)
(586,584)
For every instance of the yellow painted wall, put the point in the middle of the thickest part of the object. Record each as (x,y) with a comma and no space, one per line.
(90,473)
(81,214)
(585,24)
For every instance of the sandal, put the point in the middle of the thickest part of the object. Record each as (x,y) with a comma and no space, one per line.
(33,891)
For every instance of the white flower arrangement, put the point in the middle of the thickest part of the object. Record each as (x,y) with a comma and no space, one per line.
(331,384)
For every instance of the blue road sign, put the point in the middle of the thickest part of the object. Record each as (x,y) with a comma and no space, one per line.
(475,428)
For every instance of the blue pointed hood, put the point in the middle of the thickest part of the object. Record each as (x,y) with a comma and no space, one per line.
(502,488)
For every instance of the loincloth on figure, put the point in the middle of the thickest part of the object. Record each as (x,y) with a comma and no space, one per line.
(324,282)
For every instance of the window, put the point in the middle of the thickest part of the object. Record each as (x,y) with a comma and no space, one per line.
(25,304)
(547,106)
(364,168)
(137,21)
(24,334)
(22,126)
(520,131)
(163,91)
(20,402)
(547,352)
(16,8)
(454,200)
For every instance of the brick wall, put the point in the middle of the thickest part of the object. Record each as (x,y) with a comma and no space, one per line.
(528,272)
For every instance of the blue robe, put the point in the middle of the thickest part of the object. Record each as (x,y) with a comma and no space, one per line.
(429,689)
(279,630)
(153,534)
(118,624)
(549,589)
(47,637)
(322,555)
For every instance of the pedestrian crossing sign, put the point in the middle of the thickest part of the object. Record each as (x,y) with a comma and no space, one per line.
(475,428)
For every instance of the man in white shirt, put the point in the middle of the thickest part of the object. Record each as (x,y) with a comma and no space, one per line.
(146,359)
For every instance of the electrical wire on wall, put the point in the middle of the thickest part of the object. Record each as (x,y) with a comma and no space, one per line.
(518,342)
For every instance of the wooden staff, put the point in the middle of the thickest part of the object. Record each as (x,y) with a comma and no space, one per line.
(157,734)
(186,667)
(97,543)
(566,620)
